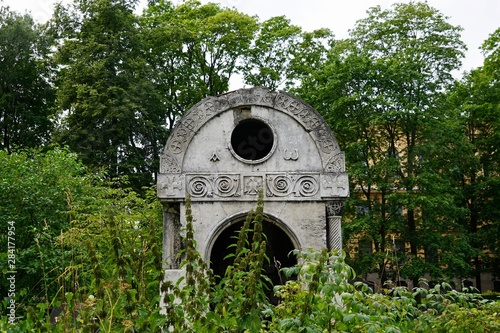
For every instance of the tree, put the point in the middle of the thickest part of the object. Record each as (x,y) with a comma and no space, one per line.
(282,54)
(78,240)
(308,57)
(37,191)
(26,92)
(382,92)
(268,60)
(476,98)
(109,107)
(194,51)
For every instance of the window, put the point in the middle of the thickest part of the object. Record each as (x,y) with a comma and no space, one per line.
(252,140)
(365,246)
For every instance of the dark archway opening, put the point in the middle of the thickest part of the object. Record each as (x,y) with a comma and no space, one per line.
(278,251)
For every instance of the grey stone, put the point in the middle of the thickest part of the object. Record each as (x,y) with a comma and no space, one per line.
(228,147)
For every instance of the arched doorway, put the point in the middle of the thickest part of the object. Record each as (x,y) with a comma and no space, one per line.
(279,247)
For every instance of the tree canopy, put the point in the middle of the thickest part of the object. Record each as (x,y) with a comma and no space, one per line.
(104,93)
(88,100)
(384,90)
(476,98)
(26,91)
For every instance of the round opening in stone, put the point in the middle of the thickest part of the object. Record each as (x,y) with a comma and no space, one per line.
(252,139)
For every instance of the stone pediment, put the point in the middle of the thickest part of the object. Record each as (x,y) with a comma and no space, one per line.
(227,147)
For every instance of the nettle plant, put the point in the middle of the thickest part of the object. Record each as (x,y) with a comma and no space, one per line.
(120,273)
(319,296)
(238,301)
(110,272)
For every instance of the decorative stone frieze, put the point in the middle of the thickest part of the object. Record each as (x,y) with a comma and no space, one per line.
(244,186)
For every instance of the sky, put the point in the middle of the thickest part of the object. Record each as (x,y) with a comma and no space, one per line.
(478,18)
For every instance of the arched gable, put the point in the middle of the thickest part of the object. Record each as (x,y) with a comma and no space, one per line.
(198,115)
(330,180)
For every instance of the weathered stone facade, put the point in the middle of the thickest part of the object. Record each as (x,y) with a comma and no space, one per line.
(228,147)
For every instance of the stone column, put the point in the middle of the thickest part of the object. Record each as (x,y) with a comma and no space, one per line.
(171,235)
(334,224)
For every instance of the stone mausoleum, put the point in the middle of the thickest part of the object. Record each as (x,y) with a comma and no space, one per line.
(225,149)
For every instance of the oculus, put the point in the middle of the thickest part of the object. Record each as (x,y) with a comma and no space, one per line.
(252,140)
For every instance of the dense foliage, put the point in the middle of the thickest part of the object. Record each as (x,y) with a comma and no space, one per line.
(477,99)
(81,242)
(386,92)
(37,191)
(109,83)
(26,93)
(112,279)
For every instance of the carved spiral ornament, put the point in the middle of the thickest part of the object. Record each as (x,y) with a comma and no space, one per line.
(307,186)
(279,185)
(226,186)
(234,186)
(199,187)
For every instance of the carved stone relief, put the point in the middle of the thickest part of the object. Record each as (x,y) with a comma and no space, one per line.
(298,166)
(336,163)
(211,106)
(334,185)
(291,155)
(334,233)
(234,186)
(334,223)
(252,185)
(171,185)
(213,186)
(215,156)
(276,185)
(298,110)
(334,208)
(283,185)
(168,164)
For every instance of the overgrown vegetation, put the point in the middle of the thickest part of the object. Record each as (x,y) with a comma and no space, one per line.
(108,278)
(109,84)
(83,245)
(420,144)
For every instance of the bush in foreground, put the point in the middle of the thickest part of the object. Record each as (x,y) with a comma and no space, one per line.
(121,283)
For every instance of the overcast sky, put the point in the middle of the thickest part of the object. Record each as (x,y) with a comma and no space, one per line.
(478,18)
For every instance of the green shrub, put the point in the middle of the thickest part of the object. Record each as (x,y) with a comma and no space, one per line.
(111,279)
